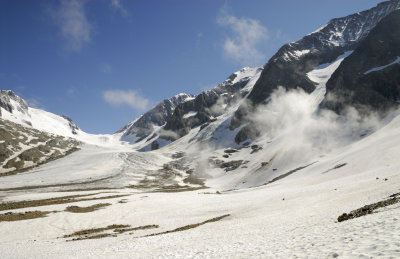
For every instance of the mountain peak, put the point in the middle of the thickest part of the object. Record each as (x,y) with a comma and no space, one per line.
(289,66)
(10,102)
(156,117)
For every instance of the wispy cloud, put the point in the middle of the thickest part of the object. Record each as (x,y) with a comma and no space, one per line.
(71,91)
(34,103)
(74,27)
(119,7)
(130,98)
(106,68)
(247,34)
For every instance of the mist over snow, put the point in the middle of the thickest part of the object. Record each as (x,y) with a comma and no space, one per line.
(294,119)
(295,132)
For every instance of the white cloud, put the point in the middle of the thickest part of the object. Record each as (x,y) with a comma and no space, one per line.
(118,6)
(247,34)
(74,26)
(130,98)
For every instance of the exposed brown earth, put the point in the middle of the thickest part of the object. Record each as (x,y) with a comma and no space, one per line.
(95,233)
(191,226)
(77,209)
(53,201)
(10,216)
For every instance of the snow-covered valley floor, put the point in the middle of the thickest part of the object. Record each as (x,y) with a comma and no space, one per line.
(295,216)
(260,223)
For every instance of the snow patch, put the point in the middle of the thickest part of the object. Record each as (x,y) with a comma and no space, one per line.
(189,114)
(397,60)
(321,75)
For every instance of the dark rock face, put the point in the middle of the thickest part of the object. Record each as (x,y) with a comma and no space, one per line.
(247,132)
(156,116)
(5,101)
(178,115)
(288,67)
(154,145)
(72,125)
(355,82)
(231,165)
(226,93)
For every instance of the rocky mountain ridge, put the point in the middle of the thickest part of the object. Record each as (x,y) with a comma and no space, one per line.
(161,125)
(370,76)
(289,66)
(145,125)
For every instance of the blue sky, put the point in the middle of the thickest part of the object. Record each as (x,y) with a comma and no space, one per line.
(105,62)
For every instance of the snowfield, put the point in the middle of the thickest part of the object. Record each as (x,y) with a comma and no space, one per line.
(295,216)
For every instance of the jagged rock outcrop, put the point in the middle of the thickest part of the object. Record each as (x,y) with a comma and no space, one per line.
(72,125)
(157,116)
(10,101)
(210,104)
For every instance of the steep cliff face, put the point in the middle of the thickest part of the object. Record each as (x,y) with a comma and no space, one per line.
(10,102)
(145,125)
(370,76)
(289,66)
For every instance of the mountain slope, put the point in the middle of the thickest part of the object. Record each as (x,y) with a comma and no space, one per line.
(15,109)
(145,125)
(289,66)
(23,148)
(369,79)
(152,131)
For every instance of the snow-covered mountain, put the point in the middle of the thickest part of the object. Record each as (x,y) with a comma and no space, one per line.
(155,118)
(288,68)
(177,116)
(369,77)
(30,137)
(290,65)
(15,109)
